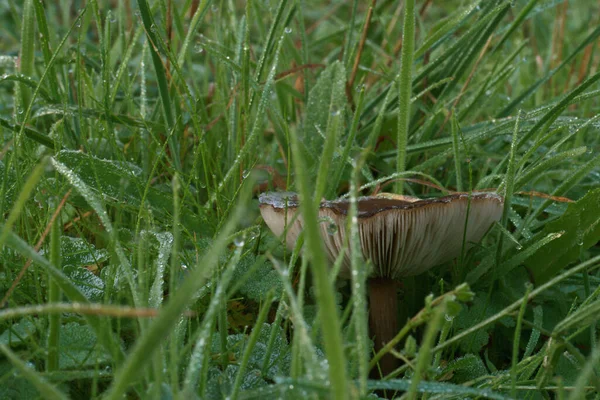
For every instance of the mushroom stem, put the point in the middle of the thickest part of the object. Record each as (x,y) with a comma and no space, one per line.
(383,320)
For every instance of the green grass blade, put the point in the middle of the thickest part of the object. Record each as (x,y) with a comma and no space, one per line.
(455,129)
(328,314)
(547,164)
(405,89)
(586,374)
(26,52)
(509,185)
(44,74)
(161,77)
(256,127)
(42,24)
(28,188)
(53,297)
(424,357)
(262,317)
(516,23)
(194,24)
(533,88)
(359,280)
(516,341)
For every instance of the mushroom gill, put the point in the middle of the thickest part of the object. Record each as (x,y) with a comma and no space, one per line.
(401,236)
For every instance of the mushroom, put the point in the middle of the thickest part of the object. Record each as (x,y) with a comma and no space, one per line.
(401,236)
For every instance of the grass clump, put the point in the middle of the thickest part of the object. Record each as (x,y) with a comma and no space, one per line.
(136,136)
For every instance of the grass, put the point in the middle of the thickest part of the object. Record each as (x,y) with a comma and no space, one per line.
(137,135)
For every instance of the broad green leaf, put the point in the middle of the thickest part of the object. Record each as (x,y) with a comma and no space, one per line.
(279,360)
(581,226)
(260,279)
(465,368)
(325,98)
(121,182)
(79,347)
(18,332)
(77,252)
(28,371)
(477,312)
(15,388)
(88,283)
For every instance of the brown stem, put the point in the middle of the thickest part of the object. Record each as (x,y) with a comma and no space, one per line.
(383,320)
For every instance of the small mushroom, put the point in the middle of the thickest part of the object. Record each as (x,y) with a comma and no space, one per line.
(400,235)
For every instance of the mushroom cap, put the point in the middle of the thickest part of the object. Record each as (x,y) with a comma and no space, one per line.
(400,235)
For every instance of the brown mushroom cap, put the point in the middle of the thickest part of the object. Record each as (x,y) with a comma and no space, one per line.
(400,235)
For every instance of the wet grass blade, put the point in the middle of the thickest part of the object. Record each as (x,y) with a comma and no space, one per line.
(26,52)
(405,89)
(328,315)
(161,77)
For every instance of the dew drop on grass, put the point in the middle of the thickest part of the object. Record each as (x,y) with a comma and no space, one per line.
(288,30)
(239,240)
